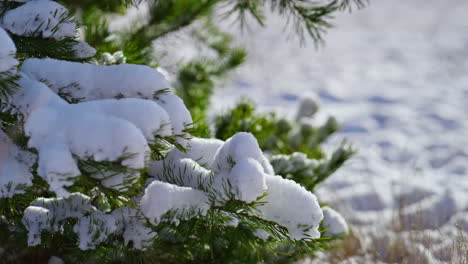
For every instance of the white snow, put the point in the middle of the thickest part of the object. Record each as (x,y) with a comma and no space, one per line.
(161,197)
(36,219)
(46,19)
(395,76)
(334,222)
(7,52)
(94,229)
(293,207)
(117,180)
(248,180)
(132,225)
(83,50)
(102,130)
(88,82)
(240,146)
(94,82)
(116,58)
(76,205)
(229,175)
(78,111)
(178,113)
(47,214)
(183,172)
(15,165)
(201,150)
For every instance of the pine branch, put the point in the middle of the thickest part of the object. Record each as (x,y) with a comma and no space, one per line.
(164,17)
(6,5)
(31,47)
(197,78)
(8,85)
(118,6)
(171,15)
(96,31)
(343,153)
(307,17)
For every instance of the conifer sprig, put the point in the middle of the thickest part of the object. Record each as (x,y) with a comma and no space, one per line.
(8,85)
(231,230)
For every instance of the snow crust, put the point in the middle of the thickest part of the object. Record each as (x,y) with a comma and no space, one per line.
(46,19)
(7,52)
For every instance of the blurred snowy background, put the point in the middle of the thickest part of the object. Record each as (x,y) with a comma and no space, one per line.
(395,74)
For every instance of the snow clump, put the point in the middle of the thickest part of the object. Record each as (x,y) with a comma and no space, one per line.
(7,52)
(333,222)
(240,171)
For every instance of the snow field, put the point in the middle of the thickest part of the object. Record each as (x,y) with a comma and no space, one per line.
(395,75)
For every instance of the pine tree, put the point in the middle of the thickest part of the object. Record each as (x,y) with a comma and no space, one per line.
(99,162)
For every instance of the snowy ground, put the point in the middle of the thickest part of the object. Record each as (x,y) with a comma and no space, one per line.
(396,76)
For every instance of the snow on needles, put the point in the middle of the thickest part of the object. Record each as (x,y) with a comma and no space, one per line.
(120,131)
(95,82)
(7,52)
(236,172)
(241,145)
(80,112)
(14,168)
(292,206)
(46,19)
(333,222)
(161,197)
(131,224)
(49,214)
(90,82)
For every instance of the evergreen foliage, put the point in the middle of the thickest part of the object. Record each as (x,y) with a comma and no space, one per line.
(294,147)
(228,231)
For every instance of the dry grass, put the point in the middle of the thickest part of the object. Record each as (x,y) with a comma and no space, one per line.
(405,247)
(460,249)
(405,240)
